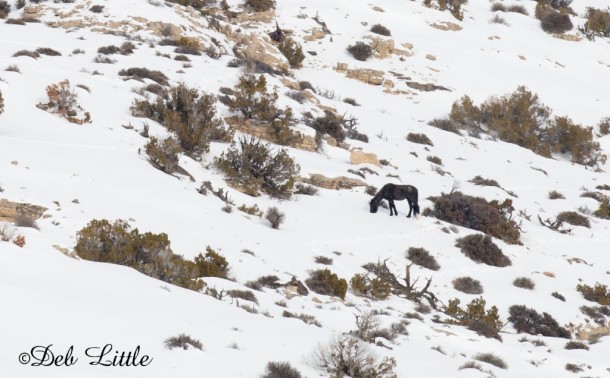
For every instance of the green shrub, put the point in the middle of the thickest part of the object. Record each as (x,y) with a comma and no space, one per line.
(467,285)
(261,5)
(482,249)
(524,283)
(374,288)
(292,51)
(149,253)
(476,213)
(360,51)
(419,139)
(598,22)
(381,30)
(604,126)
(599,293)
(421,257)
(280,370)
(485,322)
(528,320)
(212,264)
(254,167)
(603,210)
(183,341)
(188,113)
(327,283)
(520,118)
(163,154)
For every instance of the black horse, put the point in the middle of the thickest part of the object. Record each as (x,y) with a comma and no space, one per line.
(393,192)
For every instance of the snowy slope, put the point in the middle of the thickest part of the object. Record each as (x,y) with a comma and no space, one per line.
(49,298)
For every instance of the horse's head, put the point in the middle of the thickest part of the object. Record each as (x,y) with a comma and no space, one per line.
(374,206)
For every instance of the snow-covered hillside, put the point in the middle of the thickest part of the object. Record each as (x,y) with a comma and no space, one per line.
(99,170)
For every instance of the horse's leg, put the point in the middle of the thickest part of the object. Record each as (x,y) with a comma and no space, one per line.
(392,206)
(410,207)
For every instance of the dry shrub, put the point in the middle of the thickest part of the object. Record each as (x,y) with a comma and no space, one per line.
(422,257)
(360,51)
(47,51)
(482,249)
(492,359)
(280,370)
(576,345)
(275,217)
(553,194)
(478,180)
(23,220)
(62,100)
(524,283)
(305,189)
(144,73)
(381,30)
(419,139)
(19,241)
(467,285)
(529,321)
(261,5)
(246,295)
(7,232)
(556,22)
(5,9)
(515,8)
(573,218)
(183,341)
(31,54)
(349,356)
(492,218)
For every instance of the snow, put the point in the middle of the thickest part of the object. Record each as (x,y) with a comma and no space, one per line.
(49,298)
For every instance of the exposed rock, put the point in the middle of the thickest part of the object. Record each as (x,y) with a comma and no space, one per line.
(388,84)
(263,131)
(446,26)
(341,67)
(335,183)
(315,34)
(9,210)
(378,9)
(260,49)
(366,75)
(382,47)
(294,85)
(296,286)
(567,37)
(430,57)
(164,29)
(359,157)
(425,87)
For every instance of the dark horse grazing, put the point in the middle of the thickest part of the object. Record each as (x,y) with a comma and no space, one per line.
(393,192)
